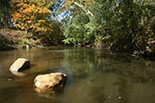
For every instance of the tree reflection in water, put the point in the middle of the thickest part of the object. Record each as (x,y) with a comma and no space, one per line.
(94,76)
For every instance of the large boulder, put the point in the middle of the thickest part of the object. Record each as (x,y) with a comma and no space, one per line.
(20,64)
(49,83)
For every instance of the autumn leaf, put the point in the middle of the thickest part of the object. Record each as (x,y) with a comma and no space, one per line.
(30,15)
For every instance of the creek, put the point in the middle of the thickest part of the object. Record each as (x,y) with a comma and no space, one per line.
(94,76)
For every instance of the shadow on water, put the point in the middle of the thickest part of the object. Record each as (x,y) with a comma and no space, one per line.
(94,76)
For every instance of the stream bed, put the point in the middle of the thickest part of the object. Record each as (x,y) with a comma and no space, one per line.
(93,76)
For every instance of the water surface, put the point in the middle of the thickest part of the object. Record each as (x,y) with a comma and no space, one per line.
(94,76)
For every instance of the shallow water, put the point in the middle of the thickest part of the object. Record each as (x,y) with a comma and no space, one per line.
(94,76)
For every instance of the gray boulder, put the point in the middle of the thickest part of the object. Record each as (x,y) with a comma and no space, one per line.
(49,83)
(19,65)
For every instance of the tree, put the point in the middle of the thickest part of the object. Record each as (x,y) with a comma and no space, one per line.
(119,24)
(125,21)
(5,14)
(75,32)
(64,10)
(31,15)
(34,16)
(82,31)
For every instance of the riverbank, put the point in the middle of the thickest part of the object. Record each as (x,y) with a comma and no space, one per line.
(15,39)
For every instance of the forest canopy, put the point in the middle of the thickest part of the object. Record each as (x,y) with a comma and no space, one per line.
(120,25)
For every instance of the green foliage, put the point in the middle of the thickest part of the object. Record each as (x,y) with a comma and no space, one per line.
(1,12)
(91,29)
(55,37)
(81,19)
(74,34)
(5,13)
(127,23)
(121,25)
(83,30)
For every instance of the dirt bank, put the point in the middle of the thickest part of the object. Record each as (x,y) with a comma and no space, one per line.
(12,39)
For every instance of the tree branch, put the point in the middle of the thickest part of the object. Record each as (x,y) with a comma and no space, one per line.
(83,8)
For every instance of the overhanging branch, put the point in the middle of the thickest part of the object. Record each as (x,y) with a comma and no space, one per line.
(88,12)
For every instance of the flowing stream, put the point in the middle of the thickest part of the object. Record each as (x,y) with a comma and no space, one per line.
(94,76)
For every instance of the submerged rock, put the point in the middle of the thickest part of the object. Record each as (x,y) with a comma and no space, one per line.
(49,83)
(19,65)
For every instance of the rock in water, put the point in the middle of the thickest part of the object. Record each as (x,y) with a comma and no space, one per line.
(48,83)
(20,64)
